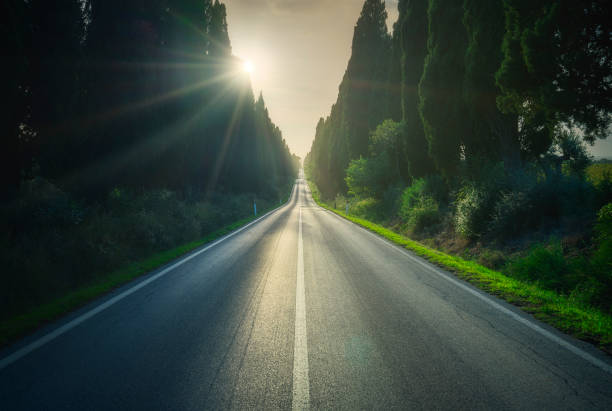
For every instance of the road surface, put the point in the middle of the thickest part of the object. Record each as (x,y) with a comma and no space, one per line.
(301,309)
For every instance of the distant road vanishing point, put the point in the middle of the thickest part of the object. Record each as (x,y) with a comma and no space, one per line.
(301,309)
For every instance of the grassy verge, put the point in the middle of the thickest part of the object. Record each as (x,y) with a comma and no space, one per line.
(22,324)
(562,312)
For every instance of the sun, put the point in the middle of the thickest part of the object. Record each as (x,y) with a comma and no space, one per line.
(248,66)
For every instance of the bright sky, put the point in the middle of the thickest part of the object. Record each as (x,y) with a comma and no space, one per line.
(299,50)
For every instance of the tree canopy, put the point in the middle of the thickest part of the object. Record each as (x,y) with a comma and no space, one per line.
(133,93)
(478,81)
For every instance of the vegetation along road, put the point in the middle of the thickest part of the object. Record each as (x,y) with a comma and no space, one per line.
(302,309)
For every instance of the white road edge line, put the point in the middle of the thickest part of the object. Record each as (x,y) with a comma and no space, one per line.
(301,388)
(545,333)
(22,352)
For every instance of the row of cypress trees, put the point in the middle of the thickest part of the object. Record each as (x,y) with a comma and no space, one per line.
(467,80)
(133,93)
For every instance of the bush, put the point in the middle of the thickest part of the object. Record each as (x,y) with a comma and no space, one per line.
(473,209)
(505,204)
(418,209)
(436,187)
(424,216)
(411,197)
(547,266)
(602,258)
(365,177)
(50,244)
(511,214)
(600,175)
(368,208)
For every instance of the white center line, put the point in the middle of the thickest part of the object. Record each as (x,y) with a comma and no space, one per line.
(301,389)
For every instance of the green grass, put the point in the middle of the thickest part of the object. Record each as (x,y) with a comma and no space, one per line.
(22,324)
(560,311)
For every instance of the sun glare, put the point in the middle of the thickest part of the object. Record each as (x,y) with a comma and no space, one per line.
(248,66)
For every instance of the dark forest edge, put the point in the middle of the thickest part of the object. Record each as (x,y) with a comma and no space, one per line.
(51,305)
(467,128)
(566,313)
(129,129)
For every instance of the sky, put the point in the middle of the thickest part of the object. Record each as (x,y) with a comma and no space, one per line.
(300,50)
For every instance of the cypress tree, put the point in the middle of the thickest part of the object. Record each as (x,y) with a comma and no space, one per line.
(494,135)
(441,103)
(363,86)
(14,157)
(218,35)
(56,35)
(411,34)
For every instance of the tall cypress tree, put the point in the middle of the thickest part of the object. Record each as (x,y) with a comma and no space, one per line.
(494,135)
(218,35)
(56,35)
(442,106)
(363,86)
(14,83)
(411,34)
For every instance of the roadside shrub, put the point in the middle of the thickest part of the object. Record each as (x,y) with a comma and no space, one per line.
(473,208)
(574,152)
(493,259)
(511,214)
(547,266)
(340,202)
(600,175)
(42,205)
(418,209)
(602,258)
(368,208)
(436,187)
(411,196)
(51,244)
(425,215)
(368,177)
(392,199)
(558,195)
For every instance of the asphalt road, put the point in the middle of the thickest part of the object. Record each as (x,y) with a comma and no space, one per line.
(302,309)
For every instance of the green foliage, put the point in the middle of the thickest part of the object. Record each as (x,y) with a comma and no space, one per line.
(365,177)
(372,176)
(568,313)
(54,245)
(442,106)
(602,258)
(473,210)
(600,175)
(574,153)
(419,209)
(588,281)
(410,36)
(556,68)
(367,208)
(512,212)
(174,113)
(548,267)
(492,133)
(361,105)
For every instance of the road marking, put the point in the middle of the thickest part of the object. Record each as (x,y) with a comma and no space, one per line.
(301,388)
(545,333)
(22,352)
